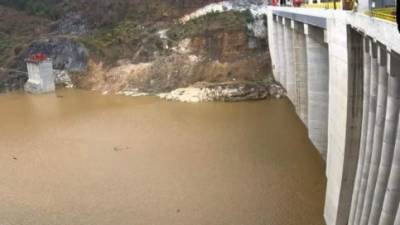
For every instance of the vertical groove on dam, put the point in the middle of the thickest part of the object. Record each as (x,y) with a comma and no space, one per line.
(275,54)
(392,195)
(281,43)
(289,62)
(364,131)
(358,85)
(389,140)
(370,131)
(300,64)
(318,88)
(378,53)
(397,221)
(376,192)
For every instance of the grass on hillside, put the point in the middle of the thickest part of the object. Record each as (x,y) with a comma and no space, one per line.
(45,8)
(125,40)
(5,46)
(129,37)
(227,21)
(16,34)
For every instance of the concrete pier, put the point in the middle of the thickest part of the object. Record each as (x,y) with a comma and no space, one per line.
(300,70)
(391,200)
(397,221)
(318,87)
(275,49)
(281,51)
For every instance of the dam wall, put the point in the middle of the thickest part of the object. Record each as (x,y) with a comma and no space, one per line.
(341,71)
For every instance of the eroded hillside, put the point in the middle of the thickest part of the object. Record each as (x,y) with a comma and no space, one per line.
(135,46)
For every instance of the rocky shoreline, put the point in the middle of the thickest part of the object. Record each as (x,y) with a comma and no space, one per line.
(225,92)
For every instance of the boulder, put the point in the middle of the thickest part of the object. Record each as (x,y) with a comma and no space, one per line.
(65,53)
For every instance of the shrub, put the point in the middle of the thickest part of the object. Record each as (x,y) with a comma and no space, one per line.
(249,16)
(35,7)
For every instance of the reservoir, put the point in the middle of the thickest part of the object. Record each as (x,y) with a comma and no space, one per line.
(81,158)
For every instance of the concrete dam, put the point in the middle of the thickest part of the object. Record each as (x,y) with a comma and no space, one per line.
(341,71)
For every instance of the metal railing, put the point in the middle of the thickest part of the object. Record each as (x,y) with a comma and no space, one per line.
(324,5)
(388,13)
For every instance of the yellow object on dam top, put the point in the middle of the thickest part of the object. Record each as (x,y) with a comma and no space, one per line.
(388,13)
(324,5)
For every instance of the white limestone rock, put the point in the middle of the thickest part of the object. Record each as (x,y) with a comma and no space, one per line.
(228,92)
(63,79)
(132,92)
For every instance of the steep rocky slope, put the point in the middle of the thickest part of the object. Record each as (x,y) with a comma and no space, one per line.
(133,47)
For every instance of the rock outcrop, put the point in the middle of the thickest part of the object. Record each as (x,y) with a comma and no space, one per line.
(65,53)
(223,50)
(227,92)
(72,23)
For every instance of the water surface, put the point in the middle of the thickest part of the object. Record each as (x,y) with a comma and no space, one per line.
(79,158)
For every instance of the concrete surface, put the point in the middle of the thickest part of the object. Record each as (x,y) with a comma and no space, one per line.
(359,136)
(41,77)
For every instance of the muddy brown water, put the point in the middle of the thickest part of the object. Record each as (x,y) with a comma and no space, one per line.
(86,159)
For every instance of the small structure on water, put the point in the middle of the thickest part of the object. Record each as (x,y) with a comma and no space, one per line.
(41,76)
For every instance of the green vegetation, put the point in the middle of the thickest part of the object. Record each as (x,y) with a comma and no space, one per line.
(17,31)
(125,40)
(135,40)
(5,47)
(227,21)
(249,16)
(35,7)
(4,42)
(132,39)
